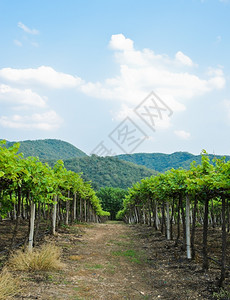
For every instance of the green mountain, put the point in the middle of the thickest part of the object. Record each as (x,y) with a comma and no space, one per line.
(119,171)
(162,162)
(50,149)
(108,171)
(102,171)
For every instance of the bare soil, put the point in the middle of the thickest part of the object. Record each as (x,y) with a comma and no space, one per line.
(117,261)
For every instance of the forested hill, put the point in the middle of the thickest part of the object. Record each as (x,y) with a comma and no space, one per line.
(48,149)
(162,162)
(102,171)
(108,171)
(119,171)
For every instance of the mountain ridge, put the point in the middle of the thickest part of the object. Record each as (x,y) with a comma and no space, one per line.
(101,171)
(162,162)
(108,171)
(117,171)
(48,149)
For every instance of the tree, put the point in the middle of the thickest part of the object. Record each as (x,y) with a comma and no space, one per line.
(26,184)
(111,199)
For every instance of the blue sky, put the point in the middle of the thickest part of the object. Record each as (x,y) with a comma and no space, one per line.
(76,70)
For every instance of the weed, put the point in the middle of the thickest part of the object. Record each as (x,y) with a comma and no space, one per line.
(9,286)
(44,259)
(123,236)
(94,267)
(110,269)
(49,278)
(66,245)
(147,297)
(222,294)
(129,253)
(132,255)
(64,226)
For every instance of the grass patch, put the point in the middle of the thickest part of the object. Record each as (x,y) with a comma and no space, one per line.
(129,253)
(132,255)
(110,268)
(135,260)
(9,286)
(222,294)
(64,226)
(46,258)
(123,236)
(94,267)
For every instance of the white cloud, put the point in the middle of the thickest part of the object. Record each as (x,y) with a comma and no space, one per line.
(124,112)
(20,98)
(215,72)
(120,42)
(184,59)
(45,121)
(18,43)
(144,71)
(182,134)
(27,29)
(155,120)
(141,71)
(43,75)
(25,100)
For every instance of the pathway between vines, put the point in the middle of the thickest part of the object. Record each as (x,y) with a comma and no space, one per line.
(115,261)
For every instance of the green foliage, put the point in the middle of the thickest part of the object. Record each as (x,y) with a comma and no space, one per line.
(131,254)
(162,162)
(108,171)
(101,171)
(207,179)
(222,294)
(34,180)
(111,199)
(48,149)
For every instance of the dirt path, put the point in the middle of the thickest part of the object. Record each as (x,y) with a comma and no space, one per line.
(114,261)
(110,265)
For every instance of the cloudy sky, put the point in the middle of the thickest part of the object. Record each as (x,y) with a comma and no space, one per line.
(117,76)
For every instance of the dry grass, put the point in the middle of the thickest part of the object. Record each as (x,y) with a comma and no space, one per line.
(46,258)
(9,286)
(76,257)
